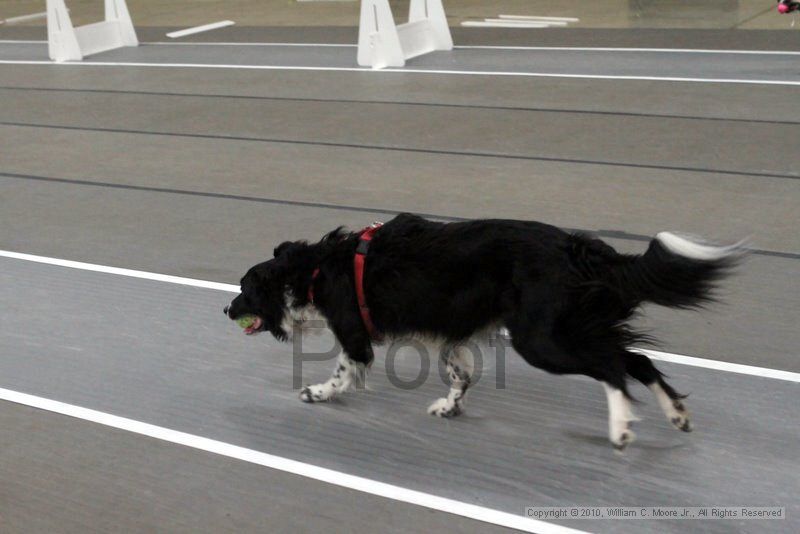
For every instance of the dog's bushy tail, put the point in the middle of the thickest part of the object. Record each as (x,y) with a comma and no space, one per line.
(678,271)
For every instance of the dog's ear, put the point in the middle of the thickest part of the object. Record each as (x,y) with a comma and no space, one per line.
(283,247)
(264,274)
(293,263)
(291,256)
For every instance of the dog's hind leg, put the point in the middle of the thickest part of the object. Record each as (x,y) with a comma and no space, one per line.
(620,416)
(640,367)
(460,366)
(535,344)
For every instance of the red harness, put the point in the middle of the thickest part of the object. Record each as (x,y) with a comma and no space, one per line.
(311,285)
(358,267)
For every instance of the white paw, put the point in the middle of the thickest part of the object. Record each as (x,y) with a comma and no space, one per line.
(444,408)
(317,393)
(679,416)
(622,439)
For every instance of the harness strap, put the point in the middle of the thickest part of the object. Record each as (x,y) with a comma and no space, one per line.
(358,265)
(311,285)
(359,261)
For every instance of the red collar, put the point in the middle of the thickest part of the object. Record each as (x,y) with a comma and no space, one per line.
(311,285)
(359,260)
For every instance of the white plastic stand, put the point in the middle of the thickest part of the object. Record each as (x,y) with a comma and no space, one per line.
(67,43)
(382,43)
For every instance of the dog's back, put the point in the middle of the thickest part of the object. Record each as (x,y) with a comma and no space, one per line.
(452,278)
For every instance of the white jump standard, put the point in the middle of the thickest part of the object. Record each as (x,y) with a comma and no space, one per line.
(382,43)
(67,43)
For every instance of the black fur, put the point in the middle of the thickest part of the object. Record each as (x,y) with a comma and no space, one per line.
(565,299)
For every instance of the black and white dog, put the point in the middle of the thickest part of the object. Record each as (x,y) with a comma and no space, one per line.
(564,298)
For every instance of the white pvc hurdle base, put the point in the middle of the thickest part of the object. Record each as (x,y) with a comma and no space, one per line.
(382,43)
(65,42)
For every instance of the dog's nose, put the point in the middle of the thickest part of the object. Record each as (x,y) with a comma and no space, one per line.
(225,310)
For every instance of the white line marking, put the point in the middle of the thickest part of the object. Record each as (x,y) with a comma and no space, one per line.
(477,47)
(546,23)
(536,17)
(121,272)
(502,24)
(615,49)
(401,71)
(329,476)
(722,366)
(657,355)
(197,43)
(199,29)
(25,18)
(318,45)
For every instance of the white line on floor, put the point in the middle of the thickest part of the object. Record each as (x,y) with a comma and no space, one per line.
(546,23)
(478,47)
(199,43)
(502,24)
(121,272)
(401,71)
(537,17)
(200,29)
(318,45)
(338,478)
(657,355)
(722,366)
(616,49)
(24,18)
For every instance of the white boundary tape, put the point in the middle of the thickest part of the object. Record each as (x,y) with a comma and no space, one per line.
(121,272)
(329,476)
(537,17)
(200,29)
(25,18)
(547,23)
(472,47)
(404,71)
(657,355)
(722,366)
(503,24)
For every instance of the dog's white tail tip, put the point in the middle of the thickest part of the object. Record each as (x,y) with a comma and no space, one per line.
(694,248)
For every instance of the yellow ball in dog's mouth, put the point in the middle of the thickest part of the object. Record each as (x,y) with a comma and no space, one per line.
(246,321)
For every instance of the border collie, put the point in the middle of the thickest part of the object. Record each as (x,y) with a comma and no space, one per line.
(565,299)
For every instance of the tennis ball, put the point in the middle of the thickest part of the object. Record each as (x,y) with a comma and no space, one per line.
(246,321)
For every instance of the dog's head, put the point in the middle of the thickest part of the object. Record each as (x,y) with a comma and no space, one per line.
(266,290)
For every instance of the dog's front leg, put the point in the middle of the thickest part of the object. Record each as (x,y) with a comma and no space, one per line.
(352,362)
(345,376)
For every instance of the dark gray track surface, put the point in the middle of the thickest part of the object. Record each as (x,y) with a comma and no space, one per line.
(63,475)
(611,37)
(200,172)
(769,67)
(164,354)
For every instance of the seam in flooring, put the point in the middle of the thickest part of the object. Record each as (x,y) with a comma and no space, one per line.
(402,103)
(613,234)
(405,149)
